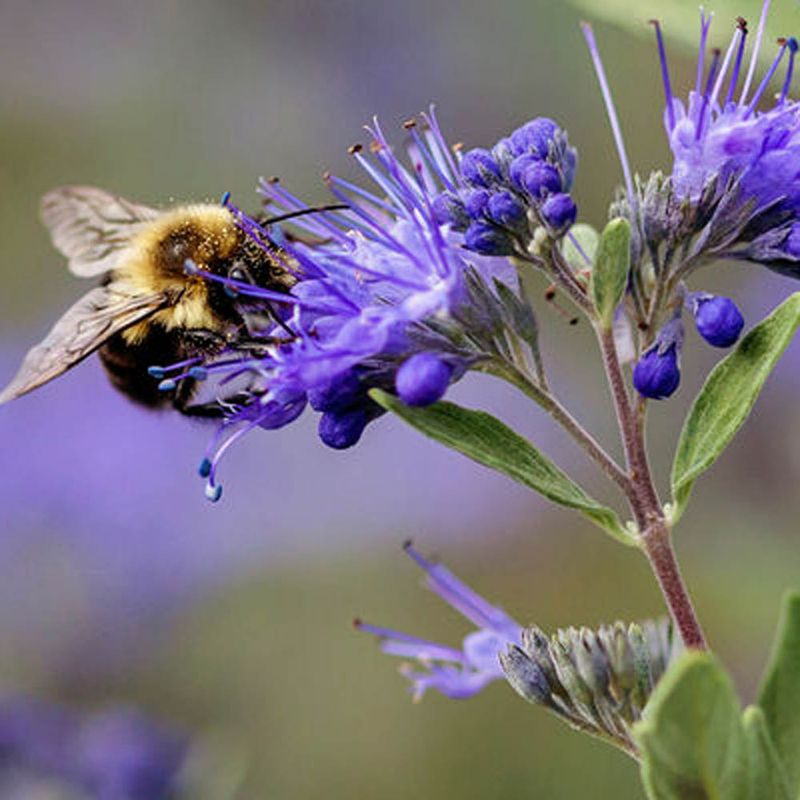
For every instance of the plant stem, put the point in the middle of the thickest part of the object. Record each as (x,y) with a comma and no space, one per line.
(657,544)
(654,532)
(561,415)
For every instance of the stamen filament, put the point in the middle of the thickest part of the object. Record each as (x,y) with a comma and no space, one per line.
(792,45)
(662,55)
(588,34)
(762,22)
(705,24)
(765,82)
(742,24)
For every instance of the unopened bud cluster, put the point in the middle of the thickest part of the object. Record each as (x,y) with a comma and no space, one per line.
(596,681)
(522,183)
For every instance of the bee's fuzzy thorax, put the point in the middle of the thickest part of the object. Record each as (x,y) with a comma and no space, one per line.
(203,233)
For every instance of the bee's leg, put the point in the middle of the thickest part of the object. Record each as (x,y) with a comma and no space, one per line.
(213,409)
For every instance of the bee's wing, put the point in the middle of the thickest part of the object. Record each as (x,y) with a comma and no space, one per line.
(94,319)
(90,226)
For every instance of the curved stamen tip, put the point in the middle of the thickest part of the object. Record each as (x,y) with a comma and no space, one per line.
(225,198)
(273,180)
(417,556)
(409,124)
(204,469)
(741,24)
(792,44)
(354,149)
(156,372)
(190,268)
(213,492)
(167,385)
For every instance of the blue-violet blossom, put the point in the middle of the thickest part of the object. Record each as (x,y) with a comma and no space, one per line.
(456,673)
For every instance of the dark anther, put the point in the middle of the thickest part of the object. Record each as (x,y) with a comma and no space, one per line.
(355,148)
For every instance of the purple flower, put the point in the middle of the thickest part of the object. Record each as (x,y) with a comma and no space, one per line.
(456,673)
(386,279)
(719,137)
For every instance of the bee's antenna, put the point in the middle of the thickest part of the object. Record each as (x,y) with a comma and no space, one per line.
(302,212)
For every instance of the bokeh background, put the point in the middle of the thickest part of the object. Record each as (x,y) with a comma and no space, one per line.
(119,583)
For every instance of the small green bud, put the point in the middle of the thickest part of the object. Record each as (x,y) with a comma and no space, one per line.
(611,266)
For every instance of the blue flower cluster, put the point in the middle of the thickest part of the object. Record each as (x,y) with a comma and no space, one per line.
(385,297)
(521,183)
(734,187)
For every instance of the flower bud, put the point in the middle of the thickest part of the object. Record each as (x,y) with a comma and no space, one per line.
(343,429)
(503,151)
(519,166)
(535,136)
(479,168)
(422,379)
(717,319)
(476,201)
(559,213)
(339,393)
(505,209)
(541,179)
(449,210)
(488,240)
(657,374)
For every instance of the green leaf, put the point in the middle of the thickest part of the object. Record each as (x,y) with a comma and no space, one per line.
(690,737)
(780,691)
(728,396)
(485,439)
(611,266)
(681,20)
(581,244)
(765,772)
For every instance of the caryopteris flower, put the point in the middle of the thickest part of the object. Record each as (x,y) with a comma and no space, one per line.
(596,681)
(719,138)
(387,295)
(455,672)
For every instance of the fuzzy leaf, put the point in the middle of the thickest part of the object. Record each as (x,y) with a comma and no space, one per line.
(611,266)
(728,396)
(766,774)
(780,691)
(690,737)
(485,439)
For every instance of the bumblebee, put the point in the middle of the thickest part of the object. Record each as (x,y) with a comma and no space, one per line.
(148,310)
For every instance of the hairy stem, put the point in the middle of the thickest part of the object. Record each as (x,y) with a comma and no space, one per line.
(654,532)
